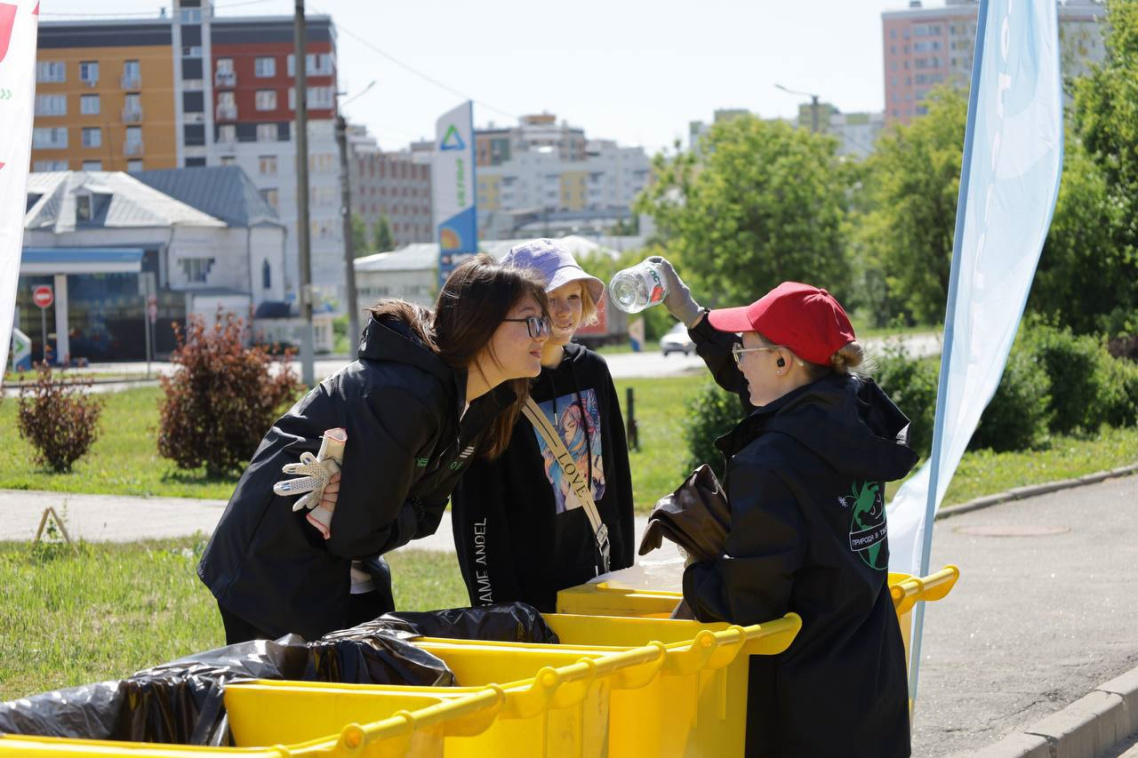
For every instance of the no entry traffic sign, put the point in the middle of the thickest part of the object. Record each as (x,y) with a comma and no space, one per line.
(43,296)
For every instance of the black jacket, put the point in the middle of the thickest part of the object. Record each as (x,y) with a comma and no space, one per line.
(805,482)
(515,537)
(401,408)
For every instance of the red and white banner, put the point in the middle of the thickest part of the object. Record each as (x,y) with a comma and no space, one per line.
(18,23)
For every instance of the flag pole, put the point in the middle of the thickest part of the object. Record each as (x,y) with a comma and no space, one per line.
(946,352)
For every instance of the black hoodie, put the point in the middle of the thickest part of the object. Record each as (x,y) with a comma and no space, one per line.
(519,534)
(805,482)
(400,405)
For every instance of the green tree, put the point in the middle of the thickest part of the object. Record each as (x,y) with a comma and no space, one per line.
(384,241)
(1083,274)
(763,204)
(360,245)
(907,217)
(1106,119)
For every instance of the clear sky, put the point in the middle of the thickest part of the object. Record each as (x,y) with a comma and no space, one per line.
(632,70)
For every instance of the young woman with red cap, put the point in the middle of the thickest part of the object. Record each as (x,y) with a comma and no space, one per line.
(805,480)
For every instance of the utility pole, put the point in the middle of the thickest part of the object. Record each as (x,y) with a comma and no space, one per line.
(814,123)
(303,230)
(349,243)
(346,212)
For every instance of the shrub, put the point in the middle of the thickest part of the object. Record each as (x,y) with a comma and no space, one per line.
(1121,393)
(912,384)
(58,418)
(1079,369)
(711,413)
(1018,416)
(222,398)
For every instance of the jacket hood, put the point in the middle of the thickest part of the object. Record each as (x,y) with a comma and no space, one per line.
(394,341)
(846,420)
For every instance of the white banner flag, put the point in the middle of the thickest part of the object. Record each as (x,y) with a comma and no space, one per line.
(1009,182)
(18,25)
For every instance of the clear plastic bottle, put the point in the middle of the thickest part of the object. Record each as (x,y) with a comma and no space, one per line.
(639,287)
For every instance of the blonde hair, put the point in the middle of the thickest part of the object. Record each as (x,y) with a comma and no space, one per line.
(842,362)
(589,312)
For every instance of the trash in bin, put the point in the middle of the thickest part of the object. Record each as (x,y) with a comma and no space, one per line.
(182,702)
(505,622)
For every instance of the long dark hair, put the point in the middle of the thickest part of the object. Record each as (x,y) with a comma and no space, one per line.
(471,306)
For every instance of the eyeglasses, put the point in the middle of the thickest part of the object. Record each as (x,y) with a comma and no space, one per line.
(738,350)
(537,326)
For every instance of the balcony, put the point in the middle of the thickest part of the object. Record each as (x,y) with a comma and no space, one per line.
(131,81)
(132,115)
(226,112)
(225,79)
(132,149)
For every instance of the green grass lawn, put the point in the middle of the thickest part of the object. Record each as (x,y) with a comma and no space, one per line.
(124,460)
(112,610)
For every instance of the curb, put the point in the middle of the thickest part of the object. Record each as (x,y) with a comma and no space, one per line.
(1019,493)
(1086,728)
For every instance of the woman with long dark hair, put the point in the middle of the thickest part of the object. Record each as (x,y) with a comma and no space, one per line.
(428,393)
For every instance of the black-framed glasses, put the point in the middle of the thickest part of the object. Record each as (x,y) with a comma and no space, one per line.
(537,326)
(737,351)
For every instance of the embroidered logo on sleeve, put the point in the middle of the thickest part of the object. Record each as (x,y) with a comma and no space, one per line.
(868,530)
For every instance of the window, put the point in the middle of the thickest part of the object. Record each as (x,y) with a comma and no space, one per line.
(928,46)
(191,15)
(92,136)
(229,160)
(266,132)
(226,99)
(227,133)
(89,72)
(271,196)
(318,64)
(51,71)
(323,98)
(49,166)
(265,68)
(131,75)
(51,105)
(89,105)
(193,51)
(50,138)
(133,167)
(267,165)
(195,162)
(134,135)
(892,34)
(225,65)
(83,207)
(92,165)
(266,100)
(266,276)
(196,269)
(132,103)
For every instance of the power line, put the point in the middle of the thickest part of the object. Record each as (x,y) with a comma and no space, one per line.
(418,73)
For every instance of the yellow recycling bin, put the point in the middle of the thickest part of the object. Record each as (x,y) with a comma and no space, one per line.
(517,699)
(603,599)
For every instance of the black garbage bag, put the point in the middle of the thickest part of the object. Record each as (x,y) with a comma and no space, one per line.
(504,622)
(182,702)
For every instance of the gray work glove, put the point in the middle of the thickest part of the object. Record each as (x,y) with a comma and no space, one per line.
(678,301)
(315,471)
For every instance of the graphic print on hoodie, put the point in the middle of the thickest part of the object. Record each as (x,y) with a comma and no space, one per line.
(581,435)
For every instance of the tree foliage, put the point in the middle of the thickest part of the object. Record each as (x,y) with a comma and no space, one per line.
(761,204)
(360,244)
(904,232)
(384,240)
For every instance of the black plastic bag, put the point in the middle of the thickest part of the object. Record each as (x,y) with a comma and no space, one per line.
(182,702)
(505,622)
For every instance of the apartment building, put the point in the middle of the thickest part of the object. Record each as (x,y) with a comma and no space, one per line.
(929,46)
(193,89)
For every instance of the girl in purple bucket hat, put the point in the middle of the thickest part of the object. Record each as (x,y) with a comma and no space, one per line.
(555,509)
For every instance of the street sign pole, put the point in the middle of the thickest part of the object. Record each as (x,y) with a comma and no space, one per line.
(146,321)
(43,334)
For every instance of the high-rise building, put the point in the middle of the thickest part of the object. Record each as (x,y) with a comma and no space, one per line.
(928,46)
(191,89)
(391,185)
(540,170)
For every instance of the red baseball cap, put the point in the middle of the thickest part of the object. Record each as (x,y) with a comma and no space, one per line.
(805,319)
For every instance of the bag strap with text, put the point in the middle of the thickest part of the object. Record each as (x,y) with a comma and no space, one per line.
(577,482)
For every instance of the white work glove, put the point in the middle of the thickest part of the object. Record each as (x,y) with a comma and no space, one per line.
(315,472)
(678,301)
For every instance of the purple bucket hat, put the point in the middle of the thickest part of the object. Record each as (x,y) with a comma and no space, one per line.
(555,265)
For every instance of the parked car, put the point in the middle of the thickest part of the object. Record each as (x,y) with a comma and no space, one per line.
(677,341)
